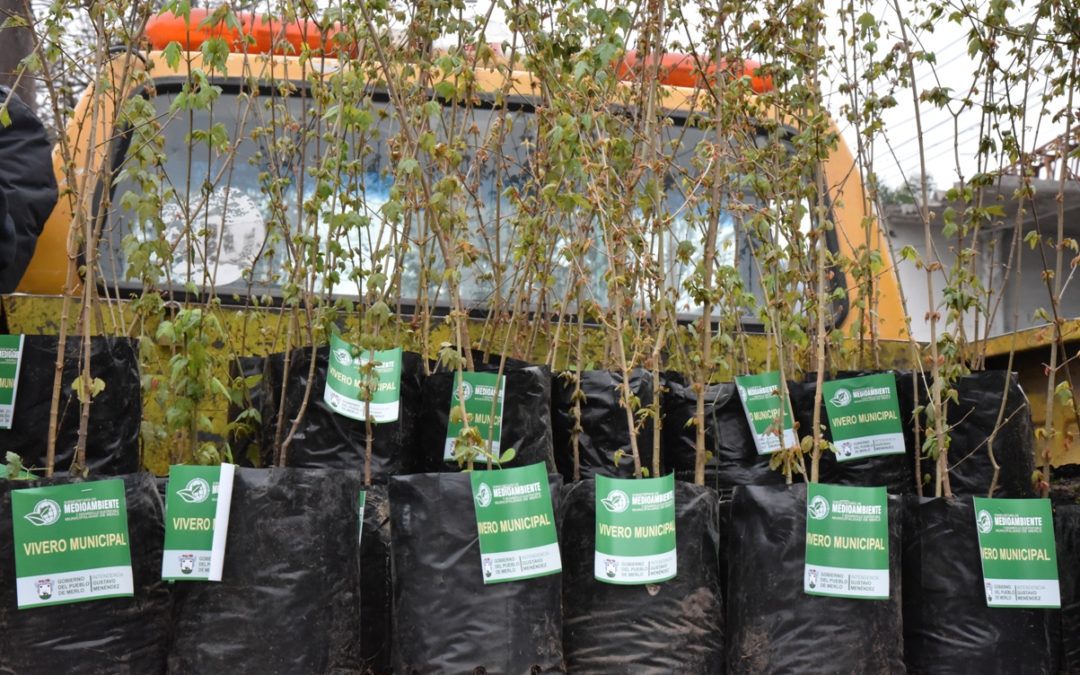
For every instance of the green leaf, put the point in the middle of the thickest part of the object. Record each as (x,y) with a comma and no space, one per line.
(231,20)
(14,470)
(376,281)
(13,21)
(507,455)
(219,387)
(166,332)
(172,54)
(189,496)
(445,90)
(97,385)
(215,51)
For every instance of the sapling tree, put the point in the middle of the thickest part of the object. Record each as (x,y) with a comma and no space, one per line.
(397,177)
(109,77)
(1009,47)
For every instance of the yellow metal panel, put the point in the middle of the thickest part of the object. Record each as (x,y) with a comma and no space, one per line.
(259,332)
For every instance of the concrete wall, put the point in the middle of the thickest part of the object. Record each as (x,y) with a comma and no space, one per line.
(1013,304)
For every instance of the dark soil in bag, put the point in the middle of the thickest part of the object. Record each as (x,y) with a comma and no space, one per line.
(773,626)
(724,521)
(604,429)
(526,421)
(376,589)
(735,460)
(116,636)
(1067,630)
(893,472)
(973,420)
(947,626)
(112,443)
(327,440)
(673,627)
(1065,485)
(289,599)
(445,619)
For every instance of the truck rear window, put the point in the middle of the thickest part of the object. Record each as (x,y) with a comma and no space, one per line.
(234,220)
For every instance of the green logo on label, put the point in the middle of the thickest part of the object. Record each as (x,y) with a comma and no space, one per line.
(635,530)
(617,501)
(46,512)
(515,522)
(818,508)
(847,542)
(197,506)
(768,412)
(481,395)
(841,398)
(10,357)
(1018,552)
(196,491)
(356,391)
(82,552)
(483,495)
(864,416)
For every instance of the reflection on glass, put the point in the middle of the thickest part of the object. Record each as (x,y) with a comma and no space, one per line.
(224,227)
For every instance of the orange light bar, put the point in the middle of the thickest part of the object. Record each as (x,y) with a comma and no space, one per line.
(255,35)
(681,70)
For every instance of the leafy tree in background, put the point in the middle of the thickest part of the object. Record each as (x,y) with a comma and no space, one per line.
(16,43)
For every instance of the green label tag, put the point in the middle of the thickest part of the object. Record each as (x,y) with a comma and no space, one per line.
(760,395)
(516,523)
(847,542)
(1016,544)
(345,382)
(864,416)
(71,543)
(635,530)
(361,503)
(478,392)
(197,504)
(11,347)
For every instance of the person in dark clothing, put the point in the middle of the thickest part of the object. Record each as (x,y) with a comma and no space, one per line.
(27,187)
